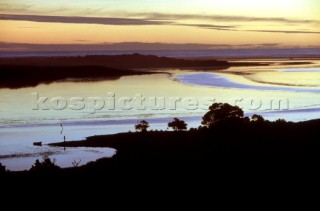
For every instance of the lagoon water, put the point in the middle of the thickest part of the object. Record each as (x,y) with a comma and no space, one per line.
(185,94)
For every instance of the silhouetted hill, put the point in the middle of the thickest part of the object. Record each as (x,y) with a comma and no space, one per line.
(31,71)
(28,76)
(133,61)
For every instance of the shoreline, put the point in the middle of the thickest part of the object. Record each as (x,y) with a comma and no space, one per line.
(265,150)
(119,139)
(157,120)
(266,146)
(240,138)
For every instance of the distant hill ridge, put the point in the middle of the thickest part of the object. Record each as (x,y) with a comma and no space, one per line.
(134,61)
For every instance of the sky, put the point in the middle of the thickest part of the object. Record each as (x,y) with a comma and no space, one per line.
(207,22)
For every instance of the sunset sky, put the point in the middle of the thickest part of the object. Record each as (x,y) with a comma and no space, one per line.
(218,22)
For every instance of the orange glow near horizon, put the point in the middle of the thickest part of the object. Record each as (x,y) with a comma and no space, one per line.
(54,33)
(232,22)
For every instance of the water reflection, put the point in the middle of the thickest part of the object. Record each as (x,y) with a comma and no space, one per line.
(20,125)
(218,80)
(62,157)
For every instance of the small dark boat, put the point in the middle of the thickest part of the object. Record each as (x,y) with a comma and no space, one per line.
(37,143)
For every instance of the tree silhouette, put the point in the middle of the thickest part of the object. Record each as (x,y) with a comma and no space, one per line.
(280,121)
(142,126)
(221,112)
(177,124)
(76,163)
(257,118)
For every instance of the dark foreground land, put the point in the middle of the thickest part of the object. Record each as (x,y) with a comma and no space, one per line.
(232,150)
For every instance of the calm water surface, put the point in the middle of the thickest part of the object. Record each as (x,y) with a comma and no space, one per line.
(21,124)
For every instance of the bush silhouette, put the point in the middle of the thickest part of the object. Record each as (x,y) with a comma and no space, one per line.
(142,126)
(281,121)
(221,112)
(46,165)
(177,124)
(2,169)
